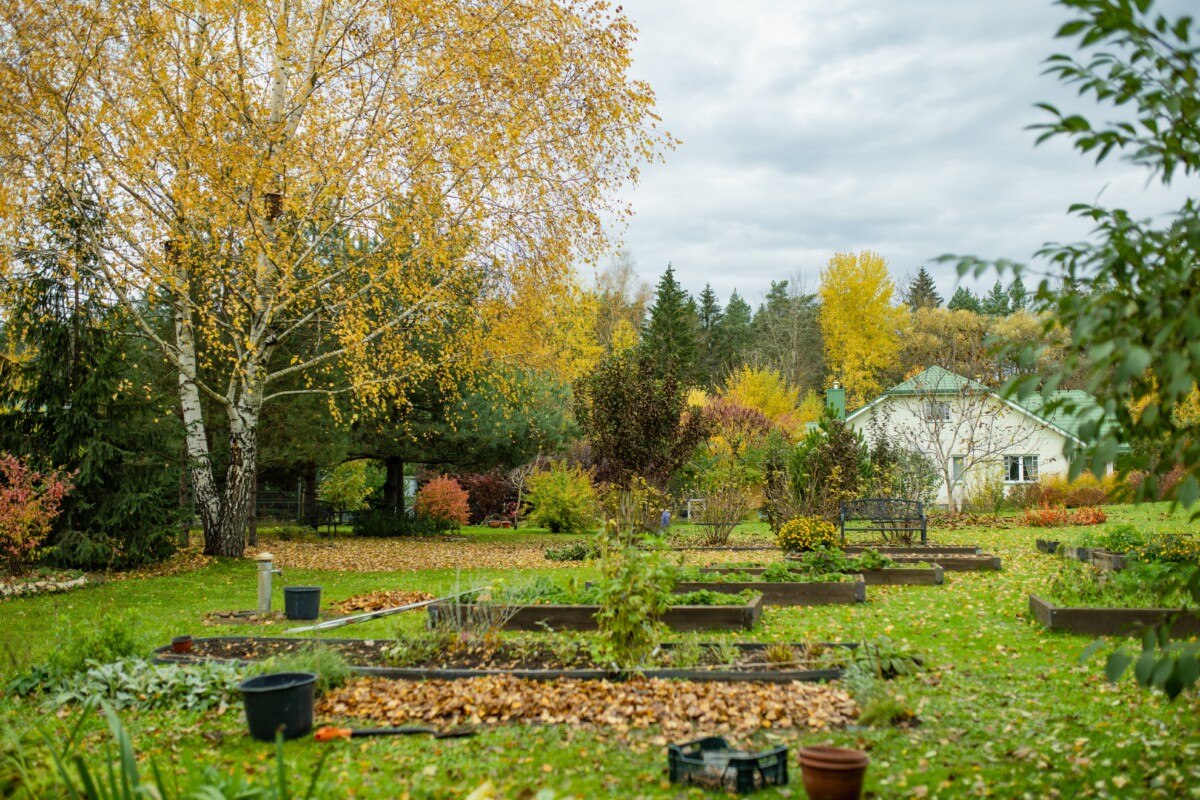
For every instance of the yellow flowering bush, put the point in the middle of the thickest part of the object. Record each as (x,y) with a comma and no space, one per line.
(806,533)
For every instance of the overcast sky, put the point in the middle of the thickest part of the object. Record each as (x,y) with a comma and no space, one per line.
(810,127)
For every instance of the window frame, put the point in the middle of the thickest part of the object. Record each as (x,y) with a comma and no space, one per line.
(1027,466)
(936,411)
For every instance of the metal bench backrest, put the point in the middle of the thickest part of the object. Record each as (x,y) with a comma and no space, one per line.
(884,509)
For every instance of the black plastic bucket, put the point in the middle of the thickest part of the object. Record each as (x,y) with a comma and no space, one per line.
(301,602)
(280,701)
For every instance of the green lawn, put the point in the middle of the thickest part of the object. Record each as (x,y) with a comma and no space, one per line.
(1005,710)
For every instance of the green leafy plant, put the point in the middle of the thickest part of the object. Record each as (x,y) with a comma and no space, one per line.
(707,597)
(120,779)
(562,499)
(1121,538)
(327,664)
(414,650)
(144,685)
(873,559)
(823,561)
(685,653)
(887,659)
(78,648)
(1170,666)
(633,592)
(576,551)
(884,710)
(1151,584)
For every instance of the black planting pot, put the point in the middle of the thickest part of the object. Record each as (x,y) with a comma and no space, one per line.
(279,701)
(301,602)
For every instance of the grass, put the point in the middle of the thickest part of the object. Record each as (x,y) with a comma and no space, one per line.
(1005,710)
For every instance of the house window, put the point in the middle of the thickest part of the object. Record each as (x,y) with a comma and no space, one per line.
(1020,469)
(958,465)
(937,411)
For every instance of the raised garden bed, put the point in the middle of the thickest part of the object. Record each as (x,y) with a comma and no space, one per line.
(954,562)
(788,593)
(582,617)
(368,657)
(1083,554)
(892,576)
(1109,562)
(1108,621)
(1049,546)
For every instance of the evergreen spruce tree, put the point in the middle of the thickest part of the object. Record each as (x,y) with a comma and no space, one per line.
(921,292)
(84,394)
(734,335)
(1018,296)
(709,318)
(964,300)
(671,331)
(995,304)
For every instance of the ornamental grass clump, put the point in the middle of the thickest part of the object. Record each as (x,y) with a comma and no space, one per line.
(806,533)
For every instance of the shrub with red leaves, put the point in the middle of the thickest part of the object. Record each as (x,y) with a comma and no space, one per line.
(1045,517)
(1088,516)
(445,502)
(29,502)
(489,494)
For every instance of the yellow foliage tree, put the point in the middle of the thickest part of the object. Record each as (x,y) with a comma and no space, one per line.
(860,325)
(319,196)
(765,390)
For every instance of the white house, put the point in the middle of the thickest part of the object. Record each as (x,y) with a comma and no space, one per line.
(972,434)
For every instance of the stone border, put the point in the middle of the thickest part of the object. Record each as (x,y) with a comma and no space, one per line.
(33,588)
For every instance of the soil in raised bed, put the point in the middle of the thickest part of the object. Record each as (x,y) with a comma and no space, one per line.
(507,654)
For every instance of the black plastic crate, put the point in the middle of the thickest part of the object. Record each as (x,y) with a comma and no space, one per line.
(712,763)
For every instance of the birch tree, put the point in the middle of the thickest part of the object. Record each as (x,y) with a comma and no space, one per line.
(464,149)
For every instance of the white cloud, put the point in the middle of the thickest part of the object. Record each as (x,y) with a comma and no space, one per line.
(811,127)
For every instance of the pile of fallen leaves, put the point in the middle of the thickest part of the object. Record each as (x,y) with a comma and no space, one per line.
(243,618)
(188,559)
(962,519)
(387,555)
(377,601)
(679,708)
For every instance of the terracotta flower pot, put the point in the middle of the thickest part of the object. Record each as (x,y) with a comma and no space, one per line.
(181,644)
(833,773)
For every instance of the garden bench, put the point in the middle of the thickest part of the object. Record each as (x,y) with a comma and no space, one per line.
(318,514)
(888,516)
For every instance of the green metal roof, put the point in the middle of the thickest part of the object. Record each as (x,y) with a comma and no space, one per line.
(934,381)
(1082,408)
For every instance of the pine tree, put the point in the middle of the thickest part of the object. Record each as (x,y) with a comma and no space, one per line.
(671,331)
(1018,296)
(921,292)
(709,318)
(964,300)
(995,304)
